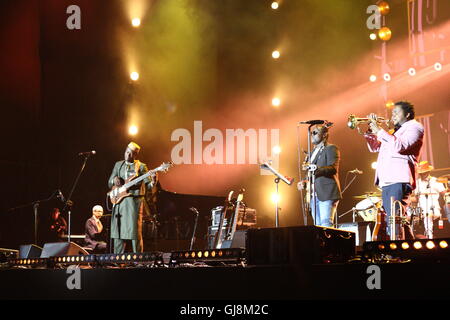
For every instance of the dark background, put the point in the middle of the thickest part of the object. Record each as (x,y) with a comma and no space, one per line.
(66,91)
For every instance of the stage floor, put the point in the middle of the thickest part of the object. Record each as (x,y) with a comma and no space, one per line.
(333,281)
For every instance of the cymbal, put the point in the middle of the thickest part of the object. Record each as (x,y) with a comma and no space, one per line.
(368,195)
(442,179)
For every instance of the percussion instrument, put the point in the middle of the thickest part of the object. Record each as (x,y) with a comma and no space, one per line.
(367,209)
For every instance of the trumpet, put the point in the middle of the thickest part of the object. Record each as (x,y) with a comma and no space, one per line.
(354,122)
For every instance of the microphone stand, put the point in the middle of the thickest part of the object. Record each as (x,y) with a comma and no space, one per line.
(69,203)
(195,227)
(312,178)
(35,205)
(302,200)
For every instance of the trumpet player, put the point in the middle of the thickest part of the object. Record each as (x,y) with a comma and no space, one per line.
(398,154)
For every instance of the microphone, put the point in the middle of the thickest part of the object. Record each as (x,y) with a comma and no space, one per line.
(356,171)
(194,210)
(312,122)
(60,195)
(87,153)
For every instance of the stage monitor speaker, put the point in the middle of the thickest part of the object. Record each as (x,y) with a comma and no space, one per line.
(29,251)
(58,249)
(237,242)
(363,230)
(304,245)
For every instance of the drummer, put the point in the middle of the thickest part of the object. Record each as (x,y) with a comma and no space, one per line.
(427,196)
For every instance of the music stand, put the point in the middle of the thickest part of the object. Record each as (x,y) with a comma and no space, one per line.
(279,177)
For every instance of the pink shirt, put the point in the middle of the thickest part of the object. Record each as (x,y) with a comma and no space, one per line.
(398,153)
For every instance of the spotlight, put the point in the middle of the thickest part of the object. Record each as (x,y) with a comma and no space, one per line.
(133,130)
(390,104)
(443,244)
(417,245)
(387,77)
(374,165)
(276,54)
(134,76)
(275,198)
(373,78)
(373,36)
(274,5)
(438,66)
(412,71)
(393,246)
(276,149)
(136,22)
(430,245)
(385,34)
(383,7)
(405,246)
(276,102)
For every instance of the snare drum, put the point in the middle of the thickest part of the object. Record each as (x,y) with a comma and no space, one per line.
(368,208)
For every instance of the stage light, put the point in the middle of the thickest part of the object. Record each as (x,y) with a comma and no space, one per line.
(274,5)
(417,245)
(199,254)
(136,22)
(206,254)
(383,7)
(443,244)
(276,150)
(373,78)
(276,54)
(387,77)
(133,130)
(405,246)
(393,246)
(381,246)
(438,66)
(374,165)
(276,102)
(412,71)
(430,245)
(385,34)
(275,198)
(373,36)
(390,104)
(134,76)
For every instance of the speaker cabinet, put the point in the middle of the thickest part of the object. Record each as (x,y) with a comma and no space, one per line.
(57,249)
(304,245)
(29,251)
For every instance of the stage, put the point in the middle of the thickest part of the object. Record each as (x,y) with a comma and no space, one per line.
(289,282)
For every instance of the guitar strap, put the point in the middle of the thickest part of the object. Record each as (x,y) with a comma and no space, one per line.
(137,165)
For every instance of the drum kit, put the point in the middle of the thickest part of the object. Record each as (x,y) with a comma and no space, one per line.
(370,205)
(368,208)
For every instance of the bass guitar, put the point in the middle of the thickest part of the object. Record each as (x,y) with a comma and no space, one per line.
(118,193)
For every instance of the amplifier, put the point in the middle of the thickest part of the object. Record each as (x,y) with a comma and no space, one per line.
(304,245)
